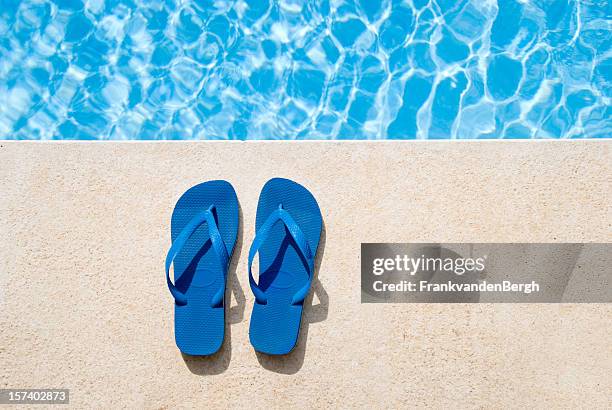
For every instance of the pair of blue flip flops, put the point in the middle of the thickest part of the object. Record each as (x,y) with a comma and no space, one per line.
(204,229)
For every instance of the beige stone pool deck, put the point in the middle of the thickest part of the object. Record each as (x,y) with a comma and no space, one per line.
(84,304)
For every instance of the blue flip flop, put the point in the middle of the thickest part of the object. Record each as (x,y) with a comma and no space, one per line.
(204,228)
(288,226)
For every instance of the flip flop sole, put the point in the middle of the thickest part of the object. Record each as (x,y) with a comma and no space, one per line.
(199,327)
(274,327)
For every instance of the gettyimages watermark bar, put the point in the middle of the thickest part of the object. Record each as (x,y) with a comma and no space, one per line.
(486,272)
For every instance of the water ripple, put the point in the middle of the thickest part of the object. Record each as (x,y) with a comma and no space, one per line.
(293,69)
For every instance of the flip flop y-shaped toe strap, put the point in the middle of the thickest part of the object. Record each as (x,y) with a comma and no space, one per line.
(217,244)
(302,245)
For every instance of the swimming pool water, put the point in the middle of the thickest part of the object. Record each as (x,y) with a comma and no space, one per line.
(305,69)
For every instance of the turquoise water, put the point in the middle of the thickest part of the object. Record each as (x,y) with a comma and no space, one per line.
(305,70)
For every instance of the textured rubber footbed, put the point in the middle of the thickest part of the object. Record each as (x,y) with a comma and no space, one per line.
(274,327)
(200,328)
